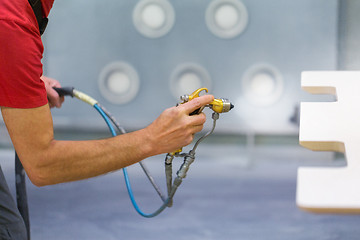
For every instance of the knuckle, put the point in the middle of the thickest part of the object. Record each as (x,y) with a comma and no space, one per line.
(199,120)
(171,112)
(188,133)
(203,117)
(196,103)
(189,139)
(168,110)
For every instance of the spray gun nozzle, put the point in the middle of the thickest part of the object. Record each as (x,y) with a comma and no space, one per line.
(221,105)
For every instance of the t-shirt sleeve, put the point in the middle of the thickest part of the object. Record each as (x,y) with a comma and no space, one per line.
(21,52)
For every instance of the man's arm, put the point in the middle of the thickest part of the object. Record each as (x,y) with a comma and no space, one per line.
(48,161)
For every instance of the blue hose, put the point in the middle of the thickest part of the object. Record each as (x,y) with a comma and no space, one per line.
(126,176)
(111,128)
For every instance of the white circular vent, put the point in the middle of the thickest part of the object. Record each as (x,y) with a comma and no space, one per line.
(188,77)
(153,18)
(262,84)
(119,82)
(226,18)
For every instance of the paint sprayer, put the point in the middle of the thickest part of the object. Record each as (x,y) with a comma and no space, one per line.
(218,106)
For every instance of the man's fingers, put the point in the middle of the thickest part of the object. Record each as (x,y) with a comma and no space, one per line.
(199,119)
(197,128)
(54,99)
(197,103)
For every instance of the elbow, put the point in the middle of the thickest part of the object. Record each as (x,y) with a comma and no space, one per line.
(37,178)
(39,164)
(38,182)
(39,174)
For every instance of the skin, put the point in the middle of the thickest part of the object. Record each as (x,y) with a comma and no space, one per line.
(48,161)
(53,96)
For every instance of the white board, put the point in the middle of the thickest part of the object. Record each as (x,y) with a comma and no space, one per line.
(331,126)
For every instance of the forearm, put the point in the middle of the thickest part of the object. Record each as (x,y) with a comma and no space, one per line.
(65,161)
(48,161)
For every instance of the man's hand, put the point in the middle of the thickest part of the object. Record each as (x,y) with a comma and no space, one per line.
(54,99)
(175,128)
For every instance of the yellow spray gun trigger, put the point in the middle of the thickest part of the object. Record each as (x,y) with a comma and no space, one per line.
(218,105)
(195,94)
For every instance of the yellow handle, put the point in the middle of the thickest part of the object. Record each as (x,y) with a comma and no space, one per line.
(187,98)
(196,93)
(177,151)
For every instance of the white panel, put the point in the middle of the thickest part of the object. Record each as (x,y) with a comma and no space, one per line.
(331,126)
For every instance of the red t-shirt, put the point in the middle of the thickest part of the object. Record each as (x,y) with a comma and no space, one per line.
(21,51)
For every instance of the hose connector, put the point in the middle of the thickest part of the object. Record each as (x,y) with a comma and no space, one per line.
(168,173)
(169,158)
(189,159)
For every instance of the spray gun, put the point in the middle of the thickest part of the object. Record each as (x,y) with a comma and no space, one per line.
(217,105)
(220,105)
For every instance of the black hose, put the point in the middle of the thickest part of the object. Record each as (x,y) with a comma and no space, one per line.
(21,196)
(65,91)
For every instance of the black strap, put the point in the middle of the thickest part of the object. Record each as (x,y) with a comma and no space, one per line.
(37,8)
(21,196)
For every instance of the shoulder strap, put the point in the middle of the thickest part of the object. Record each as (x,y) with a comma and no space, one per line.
(37,8)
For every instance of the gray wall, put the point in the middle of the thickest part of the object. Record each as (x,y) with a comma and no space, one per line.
(349,35)
(85,36)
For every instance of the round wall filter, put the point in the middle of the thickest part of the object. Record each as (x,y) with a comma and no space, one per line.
(119,82)
(153,18)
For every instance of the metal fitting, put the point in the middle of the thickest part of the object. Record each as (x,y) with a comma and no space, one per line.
(185,166)
(169,158)
(184,98)
(215,116)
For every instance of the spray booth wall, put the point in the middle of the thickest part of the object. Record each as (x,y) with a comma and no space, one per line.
(137,57)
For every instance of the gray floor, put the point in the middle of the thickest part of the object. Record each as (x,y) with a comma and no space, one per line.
(228,194)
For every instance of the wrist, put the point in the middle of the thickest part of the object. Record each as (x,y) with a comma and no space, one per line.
(148,144)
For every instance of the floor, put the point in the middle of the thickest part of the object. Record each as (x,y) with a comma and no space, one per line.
(229,193)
